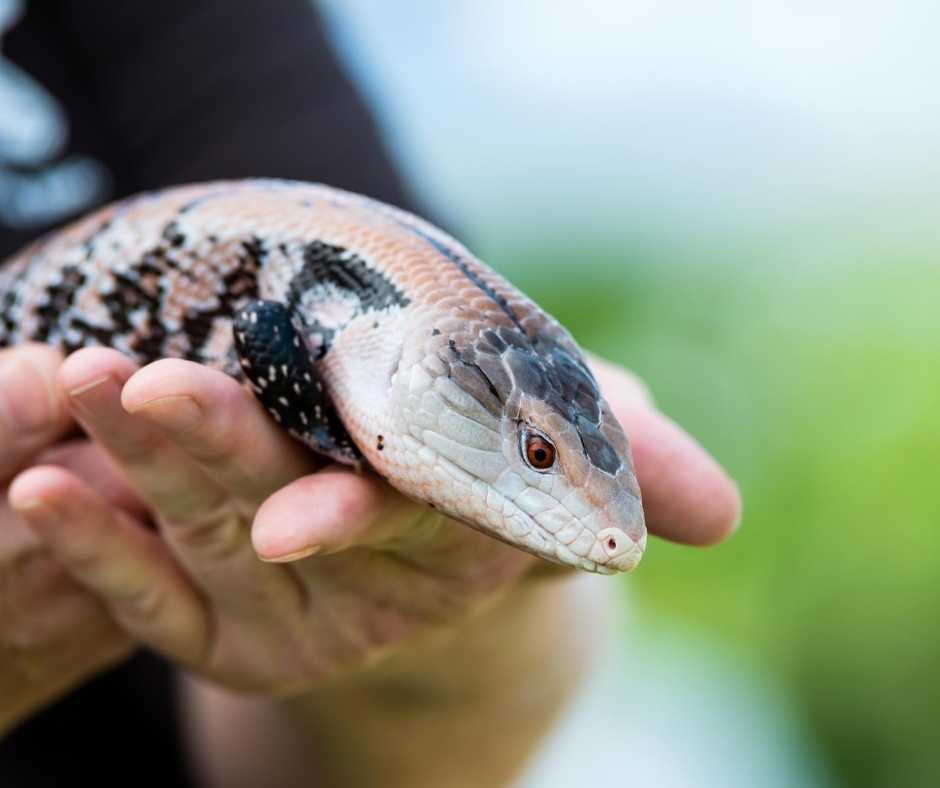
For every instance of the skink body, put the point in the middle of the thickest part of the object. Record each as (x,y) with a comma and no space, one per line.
(367,333)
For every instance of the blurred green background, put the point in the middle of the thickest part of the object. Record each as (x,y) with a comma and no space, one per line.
(818,394)
(737,202)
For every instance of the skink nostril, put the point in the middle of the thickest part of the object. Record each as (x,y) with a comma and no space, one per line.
(616,542)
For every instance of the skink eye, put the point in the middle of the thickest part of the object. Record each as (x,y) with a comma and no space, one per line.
(538,451)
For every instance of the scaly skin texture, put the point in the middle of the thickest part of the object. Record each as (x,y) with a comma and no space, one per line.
(438,368)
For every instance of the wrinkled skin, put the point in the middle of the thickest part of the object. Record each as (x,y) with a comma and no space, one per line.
(383,570)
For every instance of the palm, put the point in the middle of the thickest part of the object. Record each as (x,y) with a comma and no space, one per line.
(322,616)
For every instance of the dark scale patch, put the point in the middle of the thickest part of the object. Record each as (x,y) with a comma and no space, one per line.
(494,341)
(472,379)
(173,235)
(468,369)
(239,286)
(7,324)
(325,264)
(276,362)
(136,289)
(89,335)
(573,392)
(545,370)
(254,249)
(195,203)
(503,359)
(89,243)
(494,372)
(529,373)
(380,443)
(597,447)
(59,298)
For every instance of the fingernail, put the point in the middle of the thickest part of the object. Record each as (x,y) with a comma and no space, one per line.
(296,556)
(30,412)
(77,395)
(179,413)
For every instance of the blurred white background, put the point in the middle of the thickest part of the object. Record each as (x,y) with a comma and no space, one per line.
(717,118)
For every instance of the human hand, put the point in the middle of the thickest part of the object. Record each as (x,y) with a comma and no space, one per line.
(53,632)
(209,461)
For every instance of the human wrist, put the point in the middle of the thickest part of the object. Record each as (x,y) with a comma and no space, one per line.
(496,682)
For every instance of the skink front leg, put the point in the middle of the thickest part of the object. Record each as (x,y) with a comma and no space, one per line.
(274,357)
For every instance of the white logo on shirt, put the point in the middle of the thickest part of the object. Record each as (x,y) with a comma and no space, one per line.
(37,185)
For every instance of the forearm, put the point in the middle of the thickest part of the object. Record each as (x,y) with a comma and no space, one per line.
(465,708)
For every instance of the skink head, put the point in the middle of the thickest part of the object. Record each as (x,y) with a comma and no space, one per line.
(581,492)
(524,447)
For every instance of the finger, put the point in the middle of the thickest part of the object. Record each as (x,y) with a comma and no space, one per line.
(44,614)
(42,609)
(32,414)
(198,520)
(97,468)
(620,384)
(92,380)
(126,566)
(323,513)
(220,425)
(337,509)
(687,496)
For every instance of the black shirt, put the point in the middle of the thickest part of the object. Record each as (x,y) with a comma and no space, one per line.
(114,97)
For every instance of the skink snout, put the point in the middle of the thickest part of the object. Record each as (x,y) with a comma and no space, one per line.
(624,545)
(623,550)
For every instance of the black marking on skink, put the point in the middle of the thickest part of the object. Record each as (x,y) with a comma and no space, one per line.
(254,248)
(543,369)
(7,324)
(59,298)
(239,286)
(597,447)
(465,369)
(571,390)
(136,289)
(173,235)
(328,267)
(87,332)
(277,363)
(196,202)
(325,264)
(89,243)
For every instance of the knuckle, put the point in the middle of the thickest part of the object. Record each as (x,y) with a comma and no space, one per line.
(212,445)
(216,536)
(85,561)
